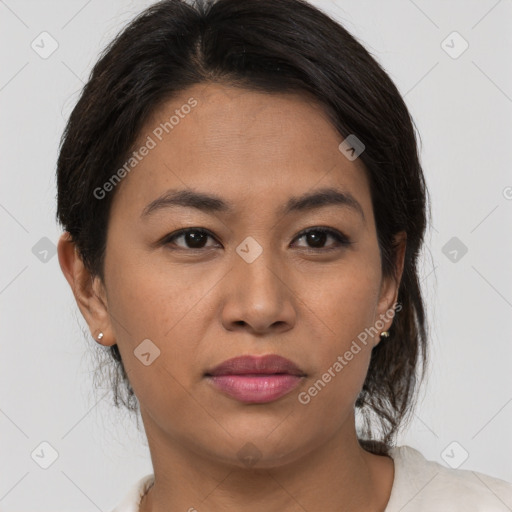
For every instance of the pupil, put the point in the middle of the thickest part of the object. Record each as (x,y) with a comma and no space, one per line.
(315,237)
(194,239)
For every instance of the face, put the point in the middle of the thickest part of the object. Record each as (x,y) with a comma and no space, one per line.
(248,272)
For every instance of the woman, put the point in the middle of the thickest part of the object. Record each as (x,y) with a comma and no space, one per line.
(244,208)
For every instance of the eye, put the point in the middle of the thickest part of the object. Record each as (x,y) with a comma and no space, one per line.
(318,235)
(194,238)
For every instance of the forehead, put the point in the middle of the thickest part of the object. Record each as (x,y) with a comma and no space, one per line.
(240,144)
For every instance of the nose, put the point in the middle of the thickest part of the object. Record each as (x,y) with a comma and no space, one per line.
(258,296)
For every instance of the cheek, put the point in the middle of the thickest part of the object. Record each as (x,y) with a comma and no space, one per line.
(153,300)
(346,297)
(346,306)
(163,304)
(145,304)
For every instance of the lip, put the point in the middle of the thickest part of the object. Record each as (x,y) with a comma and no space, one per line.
(256,379)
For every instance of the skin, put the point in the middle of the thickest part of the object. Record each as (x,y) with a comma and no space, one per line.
(203,306)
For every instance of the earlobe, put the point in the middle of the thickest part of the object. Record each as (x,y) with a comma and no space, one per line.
(87,290)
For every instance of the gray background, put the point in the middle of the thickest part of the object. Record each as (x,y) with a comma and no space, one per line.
(463,110)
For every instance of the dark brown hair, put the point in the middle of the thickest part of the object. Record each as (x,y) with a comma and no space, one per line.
(276,46)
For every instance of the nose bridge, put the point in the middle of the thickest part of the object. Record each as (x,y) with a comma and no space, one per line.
(258,294)
(255,264)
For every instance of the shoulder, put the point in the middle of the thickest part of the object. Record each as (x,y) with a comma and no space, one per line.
(131,500)
(424,485)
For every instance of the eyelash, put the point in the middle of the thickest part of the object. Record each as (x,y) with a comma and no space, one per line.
(340,238)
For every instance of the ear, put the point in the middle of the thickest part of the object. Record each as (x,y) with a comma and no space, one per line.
(89,291)
(390,286)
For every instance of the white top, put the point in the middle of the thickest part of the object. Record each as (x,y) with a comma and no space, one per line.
(420,485)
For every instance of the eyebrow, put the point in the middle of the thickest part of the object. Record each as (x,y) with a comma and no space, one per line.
(210,203)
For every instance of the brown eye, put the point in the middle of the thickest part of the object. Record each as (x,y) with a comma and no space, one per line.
(193,238)
(316,238)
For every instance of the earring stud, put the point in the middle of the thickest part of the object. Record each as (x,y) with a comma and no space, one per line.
(100,336)
(384,334)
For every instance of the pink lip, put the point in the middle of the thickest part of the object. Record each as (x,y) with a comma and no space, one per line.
(256,379)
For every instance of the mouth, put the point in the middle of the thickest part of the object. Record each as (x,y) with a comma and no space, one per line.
(256,379)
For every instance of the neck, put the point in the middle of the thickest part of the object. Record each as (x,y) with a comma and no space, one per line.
(335,475)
